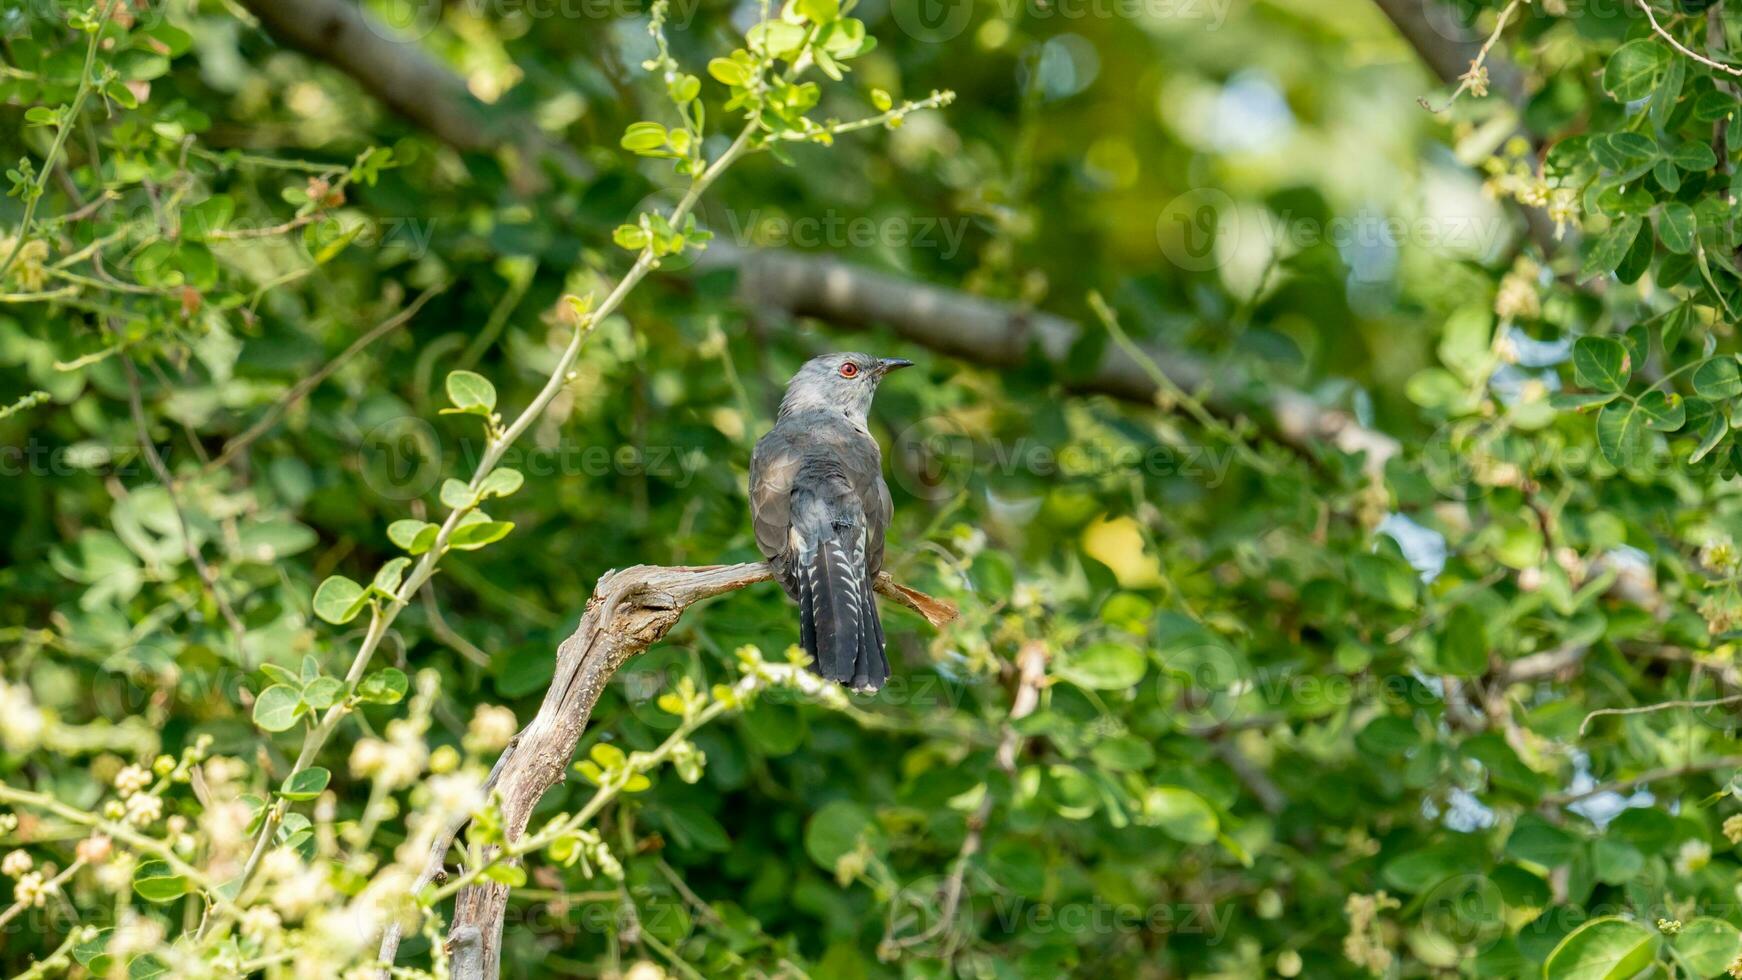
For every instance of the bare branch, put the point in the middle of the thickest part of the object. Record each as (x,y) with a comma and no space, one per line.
(1646,778)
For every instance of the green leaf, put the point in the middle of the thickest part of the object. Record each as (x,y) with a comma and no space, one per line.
(1718,378)
(1105,666)
(277,708)
(501,483)
(819,11)
(1609,948)
(728,71)
(339,600)
(1606,251)
(1464,643)
(1694,155)
(305,785)
(456,494)
(643,136)
(1716,428)
(512,875)
(1577,400)
(607,756)
(1620,432)
(385,686)
(1180,813)
(1633,68)
(471,537)
(405,533)
(1662,412)
(471,392)
(1601,363)
(1615,861)
(1677,228)
(156,881)
(322,692)
(1708,945)
(836,830)
(388,578)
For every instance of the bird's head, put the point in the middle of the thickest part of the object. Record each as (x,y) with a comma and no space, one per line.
(842,382)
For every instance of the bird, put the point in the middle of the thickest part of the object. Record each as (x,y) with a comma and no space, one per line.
(820,508)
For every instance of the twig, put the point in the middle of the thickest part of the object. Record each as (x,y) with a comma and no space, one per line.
(53,884)
(1165,387)
(1662,706)
(1645,778)
(1475,77)
(1683,49)
(300,390)
(438,625)
(208,578)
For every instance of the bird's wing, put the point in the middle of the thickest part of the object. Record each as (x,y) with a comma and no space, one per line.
(773,465)
(864,468)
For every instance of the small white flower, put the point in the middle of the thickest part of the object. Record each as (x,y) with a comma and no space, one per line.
(491,728)
(16,863)
(260,922)
(31,891)
(143,810)
(130,780)
(1693,856)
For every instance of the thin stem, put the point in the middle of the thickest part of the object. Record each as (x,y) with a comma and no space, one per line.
(301,389)
(52,885)
(60,139)
(1683,49)
(208,578)
(1194,407)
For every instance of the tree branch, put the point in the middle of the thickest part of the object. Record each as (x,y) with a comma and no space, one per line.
(989,332)
(411,83)
(630,610)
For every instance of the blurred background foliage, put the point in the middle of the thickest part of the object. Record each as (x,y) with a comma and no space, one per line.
(1300,711)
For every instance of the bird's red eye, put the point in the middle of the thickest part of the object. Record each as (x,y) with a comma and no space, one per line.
(849,370)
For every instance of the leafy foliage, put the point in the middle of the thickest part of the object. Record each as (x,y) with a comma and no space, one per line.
(318,432)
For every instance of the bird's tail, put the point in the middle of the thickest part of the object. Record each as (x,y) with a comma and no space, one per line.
(838,624)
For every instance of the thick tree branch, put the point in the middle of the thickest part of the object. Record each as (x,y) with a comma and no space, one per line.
(965,326)
(999,334)
(410,82)
(630,610)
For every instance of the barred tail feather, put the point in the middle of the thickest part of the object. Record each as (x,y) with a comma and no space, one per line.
(838,623)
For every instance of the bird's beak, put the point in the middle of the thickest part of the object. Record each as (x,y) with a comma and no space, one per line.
(889,364)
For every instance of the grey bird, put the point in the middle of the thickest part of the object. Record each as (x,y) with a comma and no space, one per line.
(820,508)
